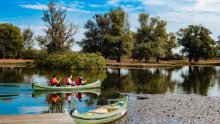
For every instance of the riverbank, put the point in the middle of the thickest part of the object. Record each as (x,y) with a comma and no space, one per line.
(172,109)
(128,63)
(15,63)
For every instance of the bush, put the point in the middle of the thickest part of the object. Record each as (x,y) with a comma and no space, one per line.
(173,57)
(29,54)
(70,60)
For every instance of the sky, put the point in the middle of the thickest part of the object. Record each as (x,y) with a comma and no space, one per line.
(177,13)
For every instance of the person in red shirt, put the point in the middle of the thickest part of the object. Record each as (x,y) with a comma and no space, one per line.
(80,81)
(54,81)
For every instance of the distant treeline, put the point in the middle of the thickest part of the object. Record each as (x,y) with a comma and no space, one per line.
(109,35)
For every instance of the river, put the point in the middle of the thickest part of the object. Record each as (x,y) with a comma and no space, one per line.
(17,96)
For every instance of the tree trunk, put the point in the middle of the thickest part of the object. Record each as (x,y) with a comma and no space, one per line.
(119,59)
(158,60)
(196,59)
(146,59)
(190,59)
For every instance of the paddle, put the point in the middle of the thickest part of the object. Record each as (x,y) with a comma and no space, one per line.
(60,80)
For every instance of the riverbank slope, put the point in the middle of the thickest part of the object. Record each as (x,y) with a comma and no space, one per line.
(128,63)
(15,62)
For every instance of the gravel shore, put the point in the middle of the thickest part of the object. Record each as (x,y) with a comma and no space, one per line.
(172,109)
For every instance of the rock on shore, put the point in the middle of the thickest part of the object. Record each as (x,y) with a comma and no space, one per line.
(172,109)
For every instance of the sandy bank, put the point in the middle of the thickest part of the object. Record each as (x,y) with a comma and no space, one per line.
(172,109)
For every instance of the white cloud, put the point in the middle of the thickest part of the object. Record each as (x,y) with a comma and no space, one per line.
(203,6)
(37,6)
(113,2)
(153,2)
(71,7)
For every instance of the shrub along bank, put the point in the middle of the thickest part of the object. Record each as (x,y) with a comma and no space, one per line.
(70,61)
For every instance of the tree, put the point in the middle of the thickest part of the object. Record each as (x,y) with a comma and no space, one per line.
(109,34)
(150,38)
(171,43)
(142,46)
(94,35)
(28,38)
(59,35)
(11,41)
(159,38)
(119,35)
(196,42)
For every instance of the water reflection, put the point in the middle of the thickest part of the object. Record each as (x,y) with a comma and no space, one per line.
(17,96)
(188,79)
(60,102)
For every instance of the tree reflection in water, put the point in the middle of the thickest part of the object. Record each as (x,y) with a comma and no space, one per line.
(198,80)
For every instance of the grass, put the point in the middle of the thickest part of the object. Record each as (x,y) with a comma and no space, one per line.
(15,62)
(125,63)
(152,63)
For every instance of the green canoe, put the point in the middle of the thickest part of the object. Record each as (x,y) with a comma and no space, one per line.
(37,86)
(38,93)
(102,115)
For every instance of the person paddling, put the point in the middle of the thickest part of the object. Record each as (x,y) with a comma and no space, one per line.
(69,81)
(79,81)
(54,81)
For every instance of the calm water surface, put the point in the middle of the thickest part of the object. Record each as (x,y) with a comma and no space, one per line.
(17,96)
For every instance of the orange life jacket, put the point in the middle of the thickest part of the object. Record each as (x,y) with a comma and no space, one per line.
(53,81)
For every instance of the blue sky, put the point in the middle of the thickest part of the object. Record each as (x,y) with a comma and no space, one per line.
(177,13)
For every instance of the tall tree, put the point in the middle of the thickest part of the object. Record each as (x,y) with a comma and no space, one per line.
(94,35)
(142,46)
(120,35)
(59,35)
(171,43)
(196,42)
(159,38)
(109,34)
(151,38)
(28,35)
(11,41)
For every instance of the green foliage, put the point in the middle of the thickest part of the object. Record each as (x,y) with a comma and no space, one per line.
(94,35)
(171,43)
(109,34)
(196,42)
(70,60)
(151,38)
(40,58)
(29,54)
(173,57)
(11,41)
(120,35)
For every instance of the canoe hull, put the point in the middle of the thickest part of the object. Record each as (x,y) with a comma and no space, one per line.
(38,93)
(100,121)
(102,118)
(38,87)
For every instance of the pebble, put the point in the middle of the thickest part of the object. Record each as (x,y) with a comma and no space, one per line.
(168,108)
